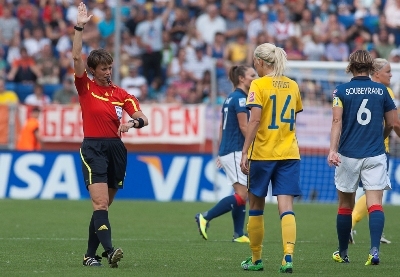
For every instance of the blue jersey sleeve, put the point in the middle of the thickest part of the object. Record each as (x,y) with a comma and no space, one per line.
(240,104)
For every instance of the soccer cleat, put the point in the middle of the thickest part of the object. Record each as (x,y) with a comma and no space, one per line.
(336,257)
(202,224)
(241,239)
(351,237)
(91,261)
(373,259)
(385,240)
(288,266)
(114,257)
(248,265)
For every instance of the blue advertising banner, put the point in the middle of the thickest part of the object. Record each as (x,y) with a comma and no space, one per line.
(160,177)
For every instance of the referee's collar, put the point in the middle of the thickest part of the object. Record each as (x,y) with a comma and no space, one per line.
(361,78)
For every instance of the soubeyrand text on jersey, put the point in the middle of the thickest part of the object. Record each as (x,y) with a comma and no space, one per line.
(280,84)
(367,90)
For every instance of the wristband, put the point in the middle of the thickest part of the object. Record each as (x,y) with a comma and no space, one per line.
(140,122)
(80,29)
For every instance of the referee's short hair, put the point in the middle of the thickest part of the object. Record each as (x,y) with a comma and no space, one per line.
(99,56)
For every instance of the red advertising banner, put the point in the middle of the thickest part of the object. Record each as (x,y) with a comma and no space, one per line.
(168,124)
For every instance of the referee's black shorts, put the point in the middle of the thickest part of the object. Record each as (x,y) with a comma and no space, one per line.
(104,161)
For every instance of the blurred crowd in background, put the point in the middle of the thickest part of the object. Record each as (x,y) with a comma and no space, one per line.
(168,47)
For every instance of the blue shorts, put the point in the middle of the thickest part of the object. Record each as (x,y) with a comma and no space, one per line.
(387,166)
(284,176)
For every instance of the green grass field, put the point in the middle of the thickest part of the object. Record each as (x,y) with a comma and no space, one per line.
(48,238)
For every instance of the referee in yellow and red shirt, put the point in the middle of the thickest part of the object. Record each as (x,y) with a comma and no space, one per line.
(103,154)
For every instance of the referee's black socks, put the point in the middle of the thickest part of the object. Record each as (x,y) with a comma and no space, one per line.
(103,229)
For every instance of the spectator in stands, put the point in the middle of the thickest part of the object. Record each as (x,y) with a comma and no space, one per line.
(383,43)
(183,85)
(50,9)
(24,11)
(199,64)
(29,139)
(238,52)
(24,69)
(135,84)
(33,21)
(331,25)
(168,52)
(48,65)
(292,47)
(72,12)
(106,26)
(392,14)
(177,64)
(149,38)
(306,25)
(203,87)
(191,41)
(259,25)
(37,98)
(234,25)
(282,29)
(179,25)
(9,26)
(56,27)
(337,50)
(129,44)
(67,94)
(3,62)
(209,23)
(250,12)
(13,51)
(34,41)
(314,49)
(7,97)
(170,96)
(357,30)
(217,51)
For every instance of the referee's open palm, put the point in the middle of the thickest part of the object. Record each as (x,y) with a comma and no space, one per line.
(82,18)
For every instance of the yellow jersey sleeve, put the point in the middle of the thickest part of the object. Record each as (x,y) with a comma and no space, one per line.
(255,97)
(386,141)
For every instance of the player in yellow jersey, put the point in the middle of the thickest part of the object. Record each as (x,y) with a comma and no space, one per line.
(381,74)
(271,153)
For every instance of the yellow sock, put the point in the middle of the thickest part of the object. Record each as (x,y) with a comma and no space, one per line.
(288,225)
(255,228)
(360,211)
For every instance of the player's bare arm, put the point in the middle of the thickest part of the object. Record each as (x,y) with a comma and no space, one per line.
(336,129)
(251,132)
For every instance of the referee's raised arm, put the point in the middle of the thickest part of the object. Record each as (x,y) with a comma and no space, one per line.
(82,19)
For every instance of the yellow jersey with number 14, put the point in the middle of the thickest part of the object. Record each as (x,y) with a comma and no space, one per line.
(280,101)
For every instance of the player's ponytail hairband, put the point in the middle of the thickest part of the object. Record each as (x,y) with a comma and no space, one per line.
(268,62)
(380,68)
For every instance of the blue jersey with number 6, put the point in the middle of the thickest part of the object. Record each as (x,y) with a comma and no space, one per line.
(232,138)
(364,104)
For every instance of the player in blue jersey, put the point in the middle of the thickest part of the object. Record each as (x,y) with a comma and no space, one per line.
(357,150)
(232,131)
(381,73)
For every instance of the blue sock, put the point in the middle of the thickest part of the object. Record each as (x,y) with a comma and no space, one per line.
(238,216)
(222,207)
(343,227)
(376,223)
